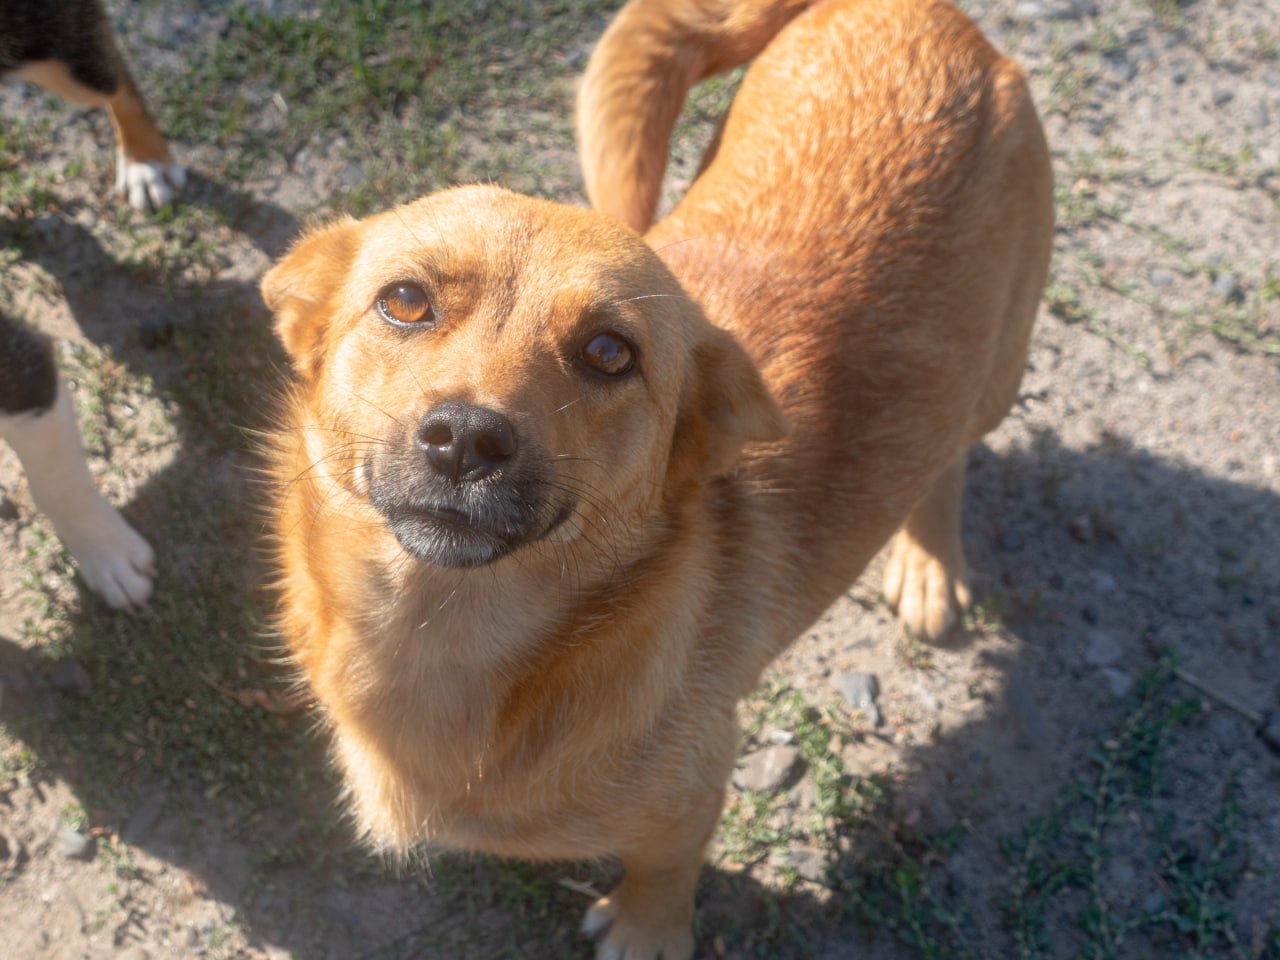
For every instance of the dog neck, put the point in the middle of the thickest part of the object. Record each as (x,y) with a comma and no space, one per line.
(451,688)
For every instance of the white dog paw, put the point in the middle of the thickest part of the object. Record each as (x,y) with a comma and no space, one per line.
(149,185)
(114,560)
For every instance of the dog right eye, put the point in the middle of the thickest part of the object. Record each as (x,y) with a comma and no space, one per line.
(607,355)
(405,305)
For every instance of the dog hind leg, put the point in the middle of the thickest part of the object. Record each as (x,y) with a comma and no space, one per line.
(926,580)
(145,172)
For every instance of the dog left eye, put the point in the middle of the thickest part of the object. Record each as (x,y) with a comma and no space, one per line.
(405,305)
(607,354)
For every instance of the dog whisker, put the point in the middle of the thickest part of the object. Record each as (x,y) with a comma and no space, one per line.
(654,296)
(356,396)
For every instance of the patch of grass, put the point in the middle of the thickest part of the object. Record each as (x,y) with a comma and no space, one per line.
(1113,867)
(1061,865)
(1072,78)
(24,186)
(877,863)
(390,84)
(1168,12)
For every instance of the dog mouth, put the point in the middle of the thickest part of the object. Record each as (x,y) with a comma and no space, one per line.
(464,527)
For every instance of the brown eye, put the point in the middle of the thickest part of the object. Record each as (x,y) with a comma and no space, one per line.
(405,305)
(607,354)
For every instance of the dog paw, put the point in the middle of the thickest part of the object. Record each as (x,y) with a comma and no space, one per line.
(927,593)
(619,937)
(148,185)
(114,560)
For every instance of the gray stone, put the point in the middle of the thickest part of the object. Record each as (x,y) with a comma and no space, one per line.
(353,174)
(1222,96)
(69,677)
(1081,528)
(1227,287)
(1028,725)
(10,852)
(808,863)
(860,691)
(1120,68)
(1119,682)
(928,699)
(768,770)
(1054,9)
(1011,541)
(1103,649)
(1270,730)
(73,844)
(1160,277)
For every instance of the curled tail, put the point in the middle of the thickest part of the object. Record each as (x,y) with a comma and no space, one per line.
(636,82)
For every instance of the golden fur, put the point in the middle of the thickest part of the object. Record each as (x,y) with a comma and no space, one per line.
(542,658)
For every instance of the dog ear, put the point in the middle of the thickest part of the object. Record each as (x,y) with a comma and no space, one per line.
(298,290)
(726,406)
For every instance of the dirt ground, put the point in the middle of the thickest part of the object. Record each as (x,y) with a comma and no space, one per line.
(1079,774)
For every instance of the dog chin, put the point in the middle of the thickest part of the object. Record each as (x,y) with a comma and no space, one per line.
(444,538)
(444,542)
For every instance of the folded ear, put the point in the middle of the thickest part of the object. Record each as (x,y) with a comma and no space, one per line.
(726,406)
(298,290)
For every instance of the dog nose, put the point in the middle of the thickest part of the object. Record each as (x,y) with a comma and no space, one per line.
(464,442)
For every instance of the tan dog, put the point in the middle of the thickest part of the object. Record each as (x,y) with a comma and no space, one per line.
(538,525)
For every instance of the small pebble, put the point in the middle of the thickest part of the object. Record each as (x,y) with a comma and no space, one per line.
(1081,529)
(808,863)
(73,845)
(1121,69)
(69,677)
(1103,649)
(1011,541)
(768,770)
(1118,681)
(860,691)
(1028,725)
(927,698)
(1227,288)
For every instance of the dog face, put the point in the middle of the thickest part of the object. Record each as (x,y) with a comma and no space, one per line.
(489,372)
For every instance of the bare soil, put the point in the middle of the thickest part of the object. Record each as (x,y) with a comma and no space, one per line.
(1125,517)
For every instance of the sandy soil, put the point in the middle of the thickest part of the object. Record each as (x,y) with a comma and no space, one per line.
(1127,510)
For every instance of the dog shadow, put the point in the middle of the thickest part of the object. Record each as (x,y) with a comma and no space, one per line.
(1094,564)
(126,299)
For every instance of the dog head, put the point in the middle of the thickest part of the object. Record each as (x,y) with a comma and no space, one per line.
(490,371)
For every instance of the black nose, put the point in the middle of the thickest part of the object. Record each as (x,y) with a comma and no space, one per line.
(464,442)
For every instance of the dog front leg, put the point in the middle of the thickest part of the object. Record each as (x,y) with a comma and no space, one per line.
(146,175)
(113,559)
(649,915)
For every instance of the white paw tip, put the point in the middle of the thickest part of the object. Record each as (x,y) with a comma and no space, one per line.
(149,185)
